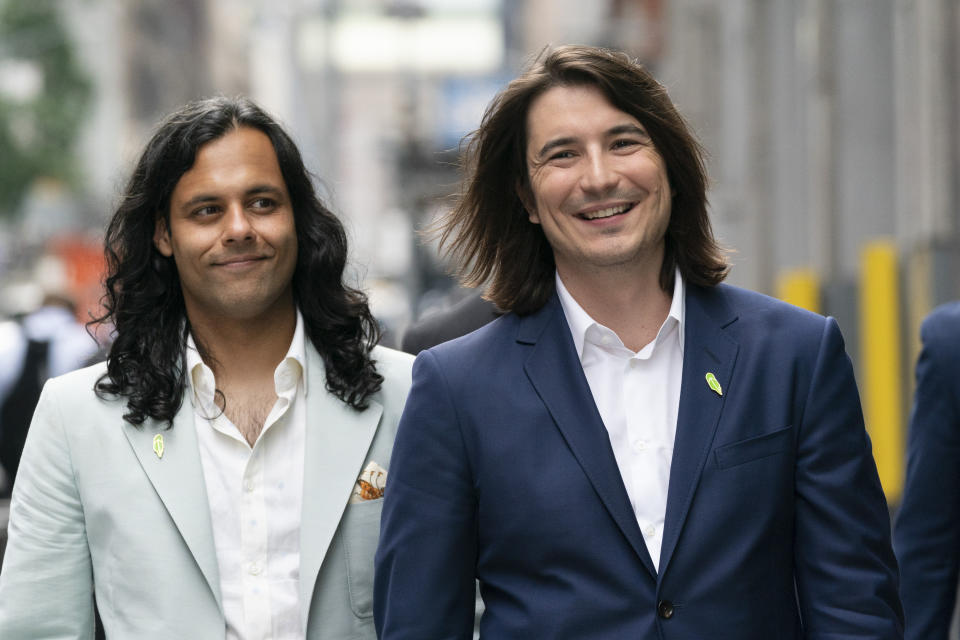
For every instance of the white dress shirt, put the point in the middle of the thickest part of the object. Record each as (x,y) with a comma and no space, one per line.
(255,495)
(638,396)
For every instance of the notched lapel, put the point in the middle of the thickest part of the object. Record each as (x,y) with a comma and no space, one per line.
(555,372)
(337,441)
(177,477)
(707,349)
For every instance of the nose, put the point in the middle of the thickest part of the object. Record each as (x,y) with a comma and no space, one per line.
(237,227)
(598,175)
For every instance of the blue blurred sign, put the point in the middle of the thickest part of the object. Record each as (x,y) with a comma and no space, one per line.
(463,102)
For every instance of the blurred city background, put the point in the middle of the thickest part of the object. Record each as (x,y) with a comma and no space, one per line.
(831,126)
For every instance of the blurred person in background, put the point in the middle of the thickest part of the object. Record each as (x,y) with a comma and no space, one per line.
(460,318)
(221,474)
(927,529)
(47,342)
(634,450)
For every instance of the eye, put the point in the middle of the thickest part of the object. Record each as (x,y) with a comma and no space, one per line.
(624,143)
(206,211)
(263,204)
(561,155)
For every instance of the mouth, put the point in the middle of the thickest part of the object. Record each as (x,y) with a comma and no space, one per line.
(238,261)
(606,212)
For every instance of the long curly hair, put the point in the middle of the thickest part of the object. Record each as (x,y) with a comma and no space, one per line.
(143,300)
(488,233)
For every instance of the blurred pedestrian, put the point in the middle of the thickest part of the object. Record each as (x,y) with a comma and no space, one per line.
(45,343)
(635,450)
(459,319)
(221,474)
(927,529)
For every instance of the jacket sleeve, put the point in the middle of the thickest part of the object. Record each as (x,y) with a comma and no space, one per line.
(927,531)
(846,574)
(46,584)
(425,562)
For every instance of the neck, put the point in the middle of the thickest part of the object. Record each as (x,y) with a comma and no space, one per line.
(629,301)
(246,349)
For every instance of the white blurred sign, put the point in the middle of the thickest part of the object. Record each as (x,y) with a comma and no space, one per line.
(450,44)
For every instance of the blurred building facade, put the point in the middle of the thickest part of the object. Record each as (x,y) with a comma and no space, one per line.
(835,157)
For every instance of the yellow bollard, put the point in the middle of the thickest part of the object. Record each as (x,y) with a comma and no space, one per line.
(801,288)
(880,366)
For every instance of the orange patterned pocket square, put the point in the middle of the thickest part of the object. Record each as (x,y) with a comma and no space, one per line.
(370,484)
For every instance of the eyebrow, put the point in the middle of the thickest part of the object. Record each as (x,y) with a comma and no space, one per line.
(204,198)
(620,129)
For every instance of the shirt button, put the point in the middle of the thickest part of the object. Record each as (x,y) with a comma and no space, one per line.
(248,485)
(649,531)
(604,339)
(255,568)
(640,445)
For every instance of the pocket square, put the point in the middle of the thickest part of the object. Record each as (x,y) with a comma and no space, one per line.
(370,484)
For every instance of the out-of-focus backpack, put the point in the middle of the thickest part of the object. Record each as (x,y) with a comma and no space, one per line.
(17,409)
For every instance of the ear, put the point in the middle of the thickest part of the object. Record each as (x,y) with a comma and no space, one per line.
(527,200)
(161,237)
(532,215)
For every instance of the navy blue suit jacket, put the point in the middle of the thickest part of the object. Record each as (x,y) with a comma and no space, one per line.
(927,532)
(776,525)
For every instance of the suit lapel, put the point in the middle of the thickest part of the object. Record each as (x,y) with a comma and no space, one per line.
(707,349)
(177,477)
(337,440)
(554,369)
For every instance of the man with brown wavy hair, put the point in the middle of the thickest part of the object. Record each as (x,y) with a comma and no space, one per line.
(634,450)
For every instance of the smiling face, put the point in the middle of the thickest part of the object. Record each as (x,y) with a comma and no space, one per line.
(598,186)
(231,231)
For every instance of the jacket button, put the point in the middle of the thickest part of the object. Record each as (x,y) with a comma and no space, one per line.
(665,609)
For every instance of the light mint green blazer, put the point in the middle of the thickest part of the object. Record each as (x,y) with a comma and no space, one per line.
(95,510)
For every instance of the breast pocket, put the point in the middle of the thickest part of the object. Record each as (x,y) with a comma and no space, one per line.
(361,531)
(768,444)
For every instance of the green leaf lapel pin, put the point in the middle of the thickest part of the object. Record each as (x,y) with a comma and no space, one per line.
(713,383)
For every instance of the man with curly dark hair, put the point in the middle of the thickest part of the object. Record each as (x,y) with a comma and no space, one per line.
(221,474)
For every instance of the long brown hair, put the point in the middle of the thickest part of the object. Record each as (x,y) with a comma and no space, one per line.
(487,232)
